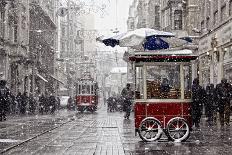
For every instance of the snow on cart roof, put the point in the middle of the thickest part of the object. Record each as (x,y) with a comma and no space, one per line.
(184,55)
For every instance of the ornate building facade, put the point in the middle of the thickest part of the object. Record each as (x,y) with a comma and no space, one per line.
(14,34)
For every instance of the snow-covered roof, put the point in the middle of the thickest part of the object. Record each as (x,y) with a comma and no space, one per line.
(166,52)
(118,70)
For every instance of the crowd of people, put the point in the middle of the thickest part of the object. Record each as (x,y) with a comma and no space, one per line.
(215,100)
(23,103)
(121,102)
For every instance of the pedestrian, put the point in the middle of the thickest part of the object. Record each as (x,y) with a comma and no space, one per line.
(13,104)
(197,104)
(70,103)
(210,103)
(114,102)
(165,88)
(52,103)
(223,91)
(58,103)
(32,104)
(127,95)
(23,106)
(4,97)
(109,103)
(42,101)
(46,103)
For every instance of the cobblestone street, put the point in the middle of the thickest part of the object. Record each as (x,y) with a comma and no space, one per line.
(101,133)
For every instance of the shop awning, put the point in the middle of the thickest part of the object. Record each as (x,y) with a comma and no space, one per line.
(55,78)
(41,77)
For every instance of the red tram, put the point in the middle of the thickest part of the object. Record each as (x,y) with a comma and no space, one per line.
(86,95)
(162,94)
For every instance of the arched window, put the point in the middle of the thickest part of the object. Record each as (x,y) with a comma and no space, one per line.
(178,20)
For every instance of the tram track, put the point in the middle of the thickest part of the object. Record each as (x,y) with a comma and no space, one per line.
(71,119)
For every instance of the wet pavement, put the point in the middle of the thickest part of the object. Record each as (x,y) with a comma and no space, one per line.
(103,133)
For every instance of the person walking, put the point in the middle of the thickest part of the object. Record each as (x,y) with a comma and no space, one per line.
(23,106)
(209,104)
(32,104)
(4,97)
(52,103)
(42,101)
(127,95)
(223,91)
(197,104)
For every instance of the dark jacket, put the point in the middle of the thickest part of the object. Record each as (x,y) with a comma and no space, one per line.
(198,97)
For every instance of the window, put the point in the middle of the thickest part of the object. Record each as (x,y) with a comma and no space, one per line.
(163,81)
(157,17)
(202,25)
(85,89)
(208,23)
(215,17)
(2,18)
(187,82)
(15,33)
(230,8)
(139,83)
(223,13)
(178,20)
(63,31)
(208,7)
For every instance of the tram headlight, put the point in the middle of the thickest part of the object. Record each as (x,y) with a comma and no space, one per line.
(93,101)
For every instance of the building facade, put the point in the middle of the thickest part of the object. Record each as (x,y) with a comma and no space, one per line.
(215,45)
(42,46)
(14,34)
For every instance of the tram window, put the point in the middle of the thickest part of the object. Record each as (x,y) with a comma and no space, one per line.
(85,89)
(92,89)
(163,82)
(187,82)
(79,88)
(139,83)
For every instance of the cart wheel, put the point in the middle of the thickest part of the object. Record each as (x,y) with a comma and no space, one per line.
(178,129)
(150,129)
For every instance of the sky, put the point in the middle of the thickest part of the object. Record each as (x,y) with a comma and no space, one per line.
(112,18)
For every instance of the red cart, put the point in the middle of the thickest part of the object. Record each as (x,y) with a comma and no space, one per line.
(163,94)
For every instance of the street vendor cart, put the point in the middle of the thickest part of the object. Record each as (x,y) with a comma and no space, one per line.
(162,94)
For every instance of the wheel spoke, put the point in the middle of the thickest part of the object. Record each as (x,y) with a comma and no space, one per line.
(182,125)
(173,125)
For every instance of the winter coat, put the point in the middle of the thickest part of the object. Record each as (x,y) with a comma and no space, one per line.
(223,94)
(127,94)
(52,100)
(4,97)
(210,103)
(198,97)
